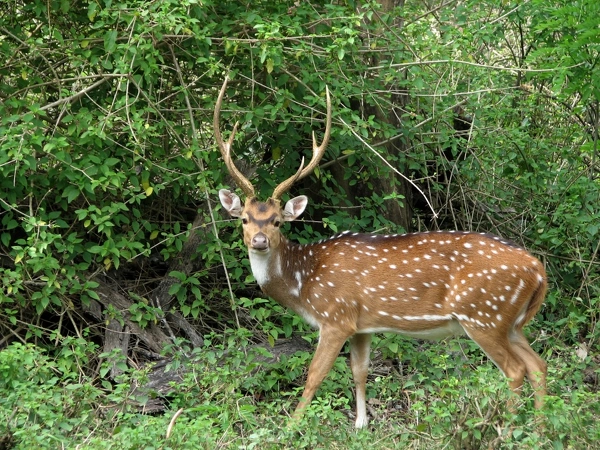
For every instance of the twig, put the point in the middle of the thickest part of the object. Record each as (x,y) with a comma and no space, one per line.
(172,422)
(206,193)
(370,147)
(24,44)
(72,98)
(467,63)
(15,333)
(435,214)
(587,270)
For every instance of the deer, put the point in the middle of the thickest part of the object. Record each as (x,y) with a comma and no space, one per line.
(426,285)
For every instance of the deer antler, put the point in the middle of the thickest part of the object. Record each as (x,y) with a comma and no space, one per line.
(225,147)
(318,152)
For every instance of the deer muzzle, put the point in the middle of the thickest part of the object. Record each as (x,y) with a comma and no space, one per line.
(260,241)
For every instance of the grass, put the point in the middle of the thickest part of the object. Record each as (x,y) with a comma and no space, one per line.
(432,398)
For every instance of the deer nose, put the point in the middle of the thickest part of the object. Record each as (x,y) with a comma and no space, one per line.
(260,242)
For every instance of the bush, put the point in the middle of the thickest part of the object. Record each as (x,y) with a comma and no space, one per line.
(229,400)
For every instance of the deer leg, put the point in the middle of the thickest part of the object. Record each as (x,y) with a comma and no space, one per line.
(536,367)
(329,347)
(360,345)
(502,354)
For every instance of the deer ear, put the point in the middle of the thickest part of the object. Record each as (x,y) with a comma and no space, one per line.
(231,202)
(294,207)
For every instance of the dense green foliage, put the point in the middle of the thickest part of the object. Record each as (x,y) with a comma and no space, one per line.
(436,404)
(108,168)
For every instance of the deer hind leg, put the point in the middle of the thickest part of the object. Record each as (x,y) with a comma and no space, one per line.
(360,345)
(536,367)
(503,354)
(331,341)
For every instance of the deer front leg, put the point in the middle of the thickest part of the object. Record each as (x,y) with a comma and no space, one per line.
(360,345)
(330,344)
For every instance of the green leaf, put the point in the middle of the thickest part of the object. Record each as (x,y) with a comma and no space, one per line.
(71,192)
(592,229)
(174,289)
(110,41)
(393,347)
(179,275)
(270,65)
(92,6)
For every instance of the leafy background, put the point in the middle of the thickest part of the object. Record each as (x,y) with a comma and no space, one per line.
(111,234)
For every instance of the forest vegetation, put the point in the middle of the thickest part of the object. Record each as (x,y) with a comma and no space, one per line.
(127,304)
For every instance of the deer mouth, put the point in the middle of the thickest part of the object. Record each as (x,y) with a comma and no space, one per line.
(259,249)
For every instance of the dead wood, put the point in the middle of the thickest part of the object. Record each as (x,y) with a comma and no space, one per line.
(109,297)
(163,380)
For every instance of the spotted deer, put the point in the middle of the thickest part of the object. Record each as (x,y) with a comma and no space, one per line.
(425,285)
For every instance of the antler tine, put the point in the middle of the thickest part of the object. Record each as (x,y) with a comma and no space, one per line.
(225,147)
(318,152)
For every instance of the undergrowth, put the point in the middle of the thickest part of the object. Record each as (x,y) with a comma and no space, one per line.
(450,397)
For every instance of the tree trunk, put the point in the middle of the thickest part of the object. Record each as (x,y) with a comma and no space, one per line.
(399,212)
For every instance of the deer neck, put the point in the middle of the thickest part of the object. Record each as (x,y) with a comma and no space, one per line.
(266,266)
(278,271)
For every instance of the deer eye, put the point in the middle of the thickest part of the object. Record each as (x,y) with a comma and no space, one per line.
(244,220)
(277,223)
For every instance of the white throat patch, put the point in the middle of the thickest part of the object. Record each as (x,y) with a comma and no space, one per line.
(260,264)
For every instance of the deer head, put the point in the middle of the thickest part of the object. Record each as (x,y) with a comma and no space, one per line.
(262,220)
